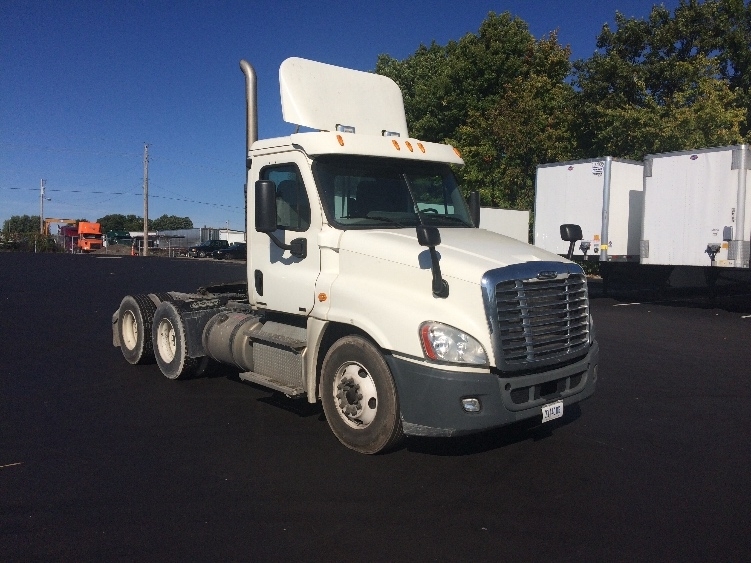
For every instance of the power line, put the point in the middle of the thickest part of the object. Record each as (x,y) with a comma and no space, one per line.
(42,148)
(151,195)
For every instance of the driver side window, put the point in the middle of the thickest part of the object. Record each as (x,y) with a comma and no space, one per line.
(292,205)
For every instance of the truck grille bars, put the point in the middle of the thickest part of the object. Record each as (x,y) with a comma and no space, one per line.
(539,314)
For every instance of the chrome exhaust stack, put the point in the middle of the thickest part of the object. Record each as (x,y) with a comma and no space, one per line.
(251,114)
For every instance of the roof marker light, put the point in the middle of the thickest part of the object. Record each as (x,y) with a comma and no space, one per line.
(341,141)
(396,144)
(345,128)
(421,147)
(457,152)
(409,146)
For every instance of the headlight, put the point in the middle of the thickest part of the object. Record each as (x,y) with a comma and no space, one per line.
(448,344)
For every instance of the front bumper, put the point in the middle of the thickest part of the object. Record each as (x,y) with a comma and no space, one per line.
(430,397)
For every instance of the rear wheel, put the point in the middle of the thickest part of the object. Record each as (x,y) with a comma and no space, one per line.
(359,396)
(134,326)
(170,347)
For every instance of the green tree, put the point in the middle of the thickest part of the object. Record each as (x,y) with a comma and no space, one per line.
(114,222)
(171,222)
(661,84)
(21,224)
(118,222)
(720,29)
(529,124)
(500,96)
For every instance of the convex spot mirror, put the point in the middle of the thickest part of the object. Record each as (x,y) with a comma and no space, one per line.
(428,236)
(571,233)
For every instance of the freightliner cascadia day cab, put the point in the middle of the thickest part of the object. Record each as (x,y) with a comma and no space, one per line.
(370,287)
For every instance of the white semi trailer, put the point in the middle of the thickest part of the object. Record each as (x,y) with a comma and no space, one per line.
(696,208)
(602,195)
(369,287)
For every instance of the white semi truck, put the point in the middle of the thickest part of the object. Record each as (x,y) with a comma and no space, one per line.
(369,286)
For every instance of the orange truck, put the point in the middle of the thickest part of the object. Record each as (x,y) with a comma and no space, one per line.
(89,236)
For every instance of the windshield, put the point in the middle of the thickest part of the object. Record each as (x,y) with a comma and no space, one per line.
(378,192)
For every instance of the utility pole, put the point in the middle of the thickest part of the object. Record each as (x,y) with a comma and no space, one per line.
(41,206)
(145,199)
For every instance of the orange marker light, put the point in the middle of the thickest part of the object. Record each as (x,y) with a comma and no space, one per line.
(341,141)
(396,145)
(421,147)
(409,145)
(457,152)
(322,297)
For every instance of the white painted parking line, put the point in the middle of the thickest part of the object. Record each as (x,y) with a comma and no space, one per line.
(626,304)
(10,465)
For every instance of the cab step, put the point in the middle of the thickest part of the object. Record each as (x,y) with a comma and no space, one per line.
(293,392)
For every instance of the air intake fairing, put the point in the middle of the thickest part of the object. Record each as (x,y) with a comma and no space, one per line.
(538,314)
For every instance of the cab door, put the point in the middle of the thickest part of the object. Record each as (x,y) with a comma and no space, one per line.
(277,280)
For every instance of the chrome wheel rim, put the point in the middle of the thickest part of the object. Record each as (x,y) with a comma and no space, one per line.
(355,395)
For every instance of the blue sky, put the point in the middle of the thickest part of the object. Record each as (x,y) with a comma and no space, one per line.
(84,84)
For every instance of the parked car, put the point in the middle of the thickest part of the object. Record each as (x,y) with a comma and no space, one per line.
(236,250)
(206,248)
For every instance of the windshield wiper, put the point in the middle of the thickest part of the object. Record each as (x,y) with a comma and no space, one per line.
(437,218)
(375,218)
(386,220)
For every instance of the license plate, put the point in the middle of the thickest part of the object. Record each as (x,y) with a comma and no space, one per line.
(552,411)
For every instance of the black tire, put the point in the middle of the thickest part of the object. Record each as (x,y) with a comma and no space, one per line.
(170,347)
(202,254)
(134,321)
(161,296)
(359,396)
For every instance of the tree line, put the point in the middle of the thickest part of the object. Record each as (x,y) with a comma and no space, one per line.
(114,222)
(508,101)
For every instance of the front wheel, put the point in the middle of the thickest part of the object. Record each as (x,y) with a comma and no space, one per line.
(359,396)
(170,346)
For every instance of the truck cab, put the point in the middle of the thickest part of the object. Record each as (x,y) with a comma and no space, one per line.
(89,236)
(370,286)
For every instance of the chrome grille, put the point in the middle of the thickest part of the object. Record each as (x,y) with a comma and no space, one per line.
(541,319)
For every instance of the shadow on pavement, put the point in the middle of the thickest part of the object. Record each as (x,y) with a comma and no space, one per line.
(497,438)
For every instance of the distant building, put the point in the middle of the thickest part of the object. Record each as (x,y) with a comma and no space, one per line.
(185,238)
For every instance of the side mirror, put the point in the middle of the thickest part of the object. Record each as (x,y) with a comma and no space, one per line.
(474,208)
(428,236)
(571,233)
(431,237)
(265,206)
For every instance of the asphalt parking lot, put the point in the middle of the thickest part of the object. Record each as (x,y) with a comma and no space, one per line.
(101,460)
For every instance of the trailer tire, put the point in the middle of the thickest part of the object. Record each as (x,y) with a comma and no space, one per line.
(359,396)
(134,320)
(170,347)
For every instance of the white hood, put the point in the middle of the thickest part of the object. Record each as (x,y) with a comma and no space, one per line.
(465,254)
